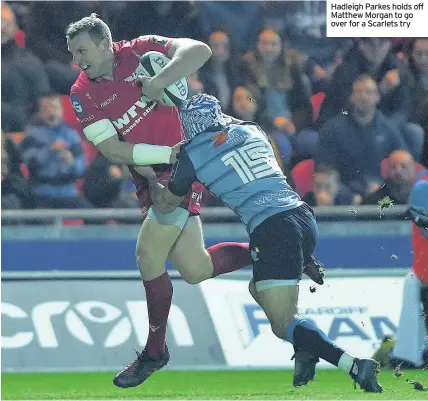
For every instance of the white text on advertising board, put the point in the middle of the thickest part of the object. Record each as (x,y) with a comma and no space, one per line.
(76,317)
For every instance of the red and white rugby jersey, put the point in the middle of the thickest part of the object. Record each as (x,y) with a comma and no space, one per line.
(120,101)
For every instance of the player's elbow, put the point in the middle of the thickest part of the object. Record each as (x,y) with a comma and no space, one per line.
(204,50)
(200,51)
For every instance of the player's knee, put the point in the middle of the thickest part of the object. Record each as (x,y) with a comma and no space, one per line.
(194,277)
(146,256)
(279,325)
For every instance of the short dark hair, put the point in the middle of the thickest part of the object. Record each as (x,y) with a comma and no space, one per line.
(93,25)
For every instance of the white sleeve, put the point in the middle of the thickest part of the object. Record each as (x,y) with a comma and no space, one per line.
(99,131)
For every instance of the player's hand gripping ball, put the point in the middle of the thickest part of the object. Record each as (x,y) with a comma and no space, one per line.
(151,63)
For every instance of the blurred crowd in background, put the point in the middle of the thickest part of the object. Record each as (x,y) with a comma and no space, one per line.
(348,118)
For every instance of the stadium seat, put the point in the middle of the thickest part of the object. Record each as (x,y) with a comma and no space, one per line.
(20,38)
(303,173)
(316,101)
(72,222)
(419,167)
(24,170)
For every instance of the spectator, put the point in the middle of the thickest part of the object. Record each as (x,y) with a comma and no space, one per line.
(105,185)
(246,103)
(286,90)
(15,191)
(54,157)
(367,56)
(224,70)
(165,18)
(23,77)
(400,175)
(356,141)
(327,189)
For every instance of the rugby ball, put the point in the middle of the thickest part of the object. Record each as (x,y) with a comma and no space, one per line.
(150,64)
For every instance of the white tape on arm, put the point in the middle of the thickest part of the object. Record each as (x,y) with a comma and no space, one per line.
(144,154)
(99,131)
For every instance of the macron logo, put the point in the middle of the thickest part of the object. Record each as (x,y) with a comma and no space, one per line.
(154,328)
(109,100)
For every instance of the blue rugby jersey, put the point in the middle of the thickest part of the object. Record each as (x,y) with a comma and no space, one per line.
(238,166)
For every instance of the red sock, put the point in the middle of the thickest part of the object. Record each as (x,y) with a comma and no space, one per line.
(229,256)
(159,295)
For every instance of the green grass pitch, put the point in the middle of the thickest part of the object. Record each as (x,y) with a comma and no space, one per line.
(264,384)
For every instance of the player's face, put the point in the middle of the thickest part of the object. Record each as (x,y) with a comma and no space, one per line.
(90,56)
(50,111)
(420,55)
(269,45)
(365,95)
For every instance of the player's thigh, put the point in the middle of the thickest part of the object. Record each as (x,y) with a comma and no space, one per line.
(156,238)
(188,254)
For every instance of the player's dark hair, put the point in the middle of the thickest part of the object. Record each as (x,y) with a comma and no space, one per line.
(93,25)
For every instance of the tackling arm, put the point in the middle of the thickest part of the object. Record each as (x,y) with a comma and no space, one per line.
(163,199)
(167,199)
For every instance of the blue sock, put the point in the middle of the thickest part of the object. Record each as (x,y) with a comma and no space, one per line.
(306,336)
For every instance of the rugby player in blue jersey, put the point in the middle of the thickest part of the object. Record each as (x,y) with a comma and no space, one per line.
(235,161)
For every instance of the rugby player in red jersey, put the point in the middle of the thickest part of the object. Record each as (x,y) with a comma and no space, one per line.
(117,116)
(129,127)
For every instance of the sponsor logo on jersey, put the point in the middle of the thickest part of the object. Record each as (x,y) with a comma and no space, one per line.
(132,118)
(219,139)
(76,105)
(255,254)
(159,41)
(109,100)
